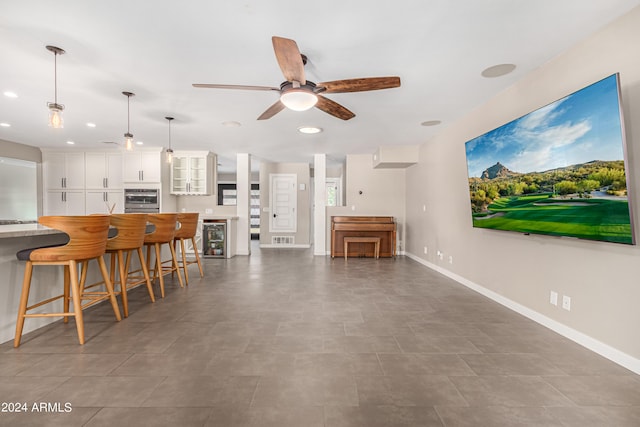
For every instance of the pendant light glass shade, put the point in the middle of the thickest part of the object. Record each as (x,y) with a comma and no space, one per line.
(128,142)
(55,110)
(128,137)
(169,152)
(56,120)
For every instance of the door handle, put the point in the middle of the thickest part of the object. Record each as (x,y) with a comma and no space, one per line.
(274,215)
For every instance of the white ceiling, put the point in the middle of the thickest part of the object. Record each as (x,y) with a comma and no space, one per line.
(157,49)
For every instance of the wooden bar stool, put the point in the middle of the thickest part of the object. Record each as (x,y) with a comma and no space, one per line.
(131,228)
(165,231)
(188,226)
(87,241)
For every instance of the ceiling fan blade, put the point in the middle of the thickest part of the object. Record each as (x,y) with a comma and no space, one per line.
(243,87)
(289,59)
(333,108)
(272,111)
(360,85)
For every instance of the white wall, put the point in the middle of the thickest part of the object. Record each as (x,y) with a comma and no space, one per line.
(601,278)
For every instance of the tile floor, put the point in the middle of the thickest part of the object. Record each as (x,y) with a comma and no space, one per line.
(283,338)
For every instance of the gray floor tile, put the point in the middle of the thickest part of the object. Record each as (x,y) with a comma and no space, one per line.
(497,416)
(506,390)
(381,416)
(158,416)
(203,391)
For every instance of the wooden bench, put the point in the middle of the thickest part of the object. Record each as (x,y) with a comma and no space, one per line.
(374,240)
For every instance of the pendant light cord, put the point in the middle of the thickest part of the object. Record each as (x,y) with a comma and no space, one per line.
(55,77)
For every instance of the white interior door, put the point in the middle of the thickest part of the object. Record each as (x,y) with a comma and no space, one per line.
(283,194)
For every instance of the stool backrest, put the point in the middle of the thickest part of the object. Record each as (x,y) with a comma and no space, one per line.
(87,238)
(188,225)
(131,229)
(165,230)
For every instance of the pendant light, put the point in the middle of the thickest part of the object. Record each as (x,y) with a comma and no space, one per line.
(169,152)
(55,110)
(128,137)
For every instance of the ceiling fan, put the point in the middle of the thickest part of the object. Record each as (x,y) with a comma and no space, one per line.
(299,94)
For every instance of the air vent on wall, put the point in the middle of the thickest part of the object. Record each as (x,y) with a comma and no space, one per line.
(282,240)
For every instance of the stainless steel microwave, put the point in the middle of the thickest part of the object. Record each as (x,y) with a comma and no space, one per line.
(141,200)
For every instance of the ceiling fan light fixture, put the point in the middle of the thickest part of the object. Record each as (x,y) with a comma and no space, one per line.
(298,99)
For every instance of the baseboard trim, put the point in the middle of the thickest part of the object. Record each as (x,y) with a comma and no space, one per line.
(270,246)
(605,350)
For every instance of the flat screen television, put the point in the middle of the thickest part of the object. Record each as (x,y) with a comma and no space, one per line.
(559,170)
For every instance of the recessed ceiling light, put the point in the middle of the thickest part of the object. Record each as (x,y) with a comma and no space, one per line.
(91,125)
(231,124)
(5,125)
(70,142)
(498,70)
(10,94)
(309,129)
(431,123)
(139,143)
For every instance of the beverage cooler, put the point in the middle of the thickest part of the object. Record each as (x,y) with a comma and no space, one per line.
(214,238)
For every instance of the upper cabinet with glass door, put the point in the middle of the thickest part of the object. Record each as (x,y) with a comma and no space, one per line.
(193,173)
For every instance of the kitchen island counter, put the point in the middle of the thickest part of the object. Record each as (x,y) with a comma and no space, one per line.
(46,281)
(25,230)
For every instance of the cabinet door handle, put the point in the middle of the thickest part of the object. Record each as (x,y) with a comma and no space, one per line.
(106,183)
(141,175)
(104,197)
(64,196)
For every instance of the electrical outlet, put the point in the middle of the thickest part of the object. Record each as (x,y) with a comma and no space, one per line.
(440,255)
(566,302)
(208,211)
(553,298)
(450,259)
(425,250)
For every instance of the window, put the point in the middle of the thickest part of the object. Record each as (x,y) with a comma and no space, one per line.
(333,193)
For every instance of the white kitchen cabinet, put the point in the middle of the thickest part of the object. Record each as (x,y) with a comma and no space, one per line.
(193,173)
(104,202)
(63,170)
(64,202)
(103,170)
(142,166)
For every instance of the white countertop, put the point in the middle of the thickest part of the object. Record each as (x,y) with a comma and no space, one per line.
(226,217)
(24,230)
